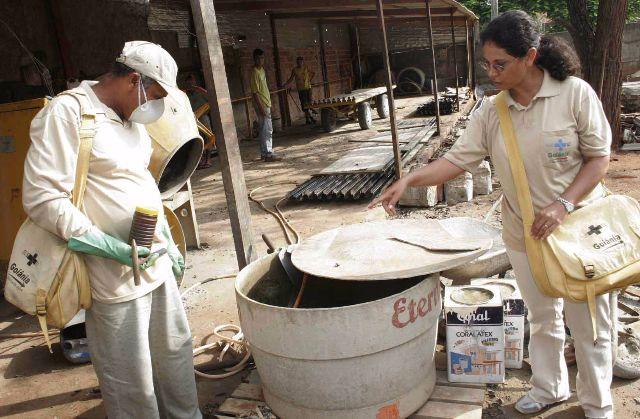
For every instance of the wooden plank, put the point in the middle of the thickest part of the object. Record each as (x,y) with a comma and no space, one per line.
(239,407)
(442,380)
(360,160)
(248,392)
(204,18)
(462,395)
(440,410)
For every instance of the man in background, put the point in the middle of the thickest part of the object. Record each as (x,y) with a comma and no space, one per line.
(303,76)
(262,105)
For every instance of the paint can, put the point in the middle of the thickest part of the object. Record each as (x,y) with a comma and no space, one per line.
(514,313)
(475,334)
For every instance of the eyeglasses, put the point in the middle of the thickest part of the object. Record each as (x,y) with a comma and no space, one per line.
(499,68)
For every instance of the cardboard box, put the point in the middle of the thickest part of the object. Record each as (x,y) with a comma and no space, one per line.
(514,312)
(475,334)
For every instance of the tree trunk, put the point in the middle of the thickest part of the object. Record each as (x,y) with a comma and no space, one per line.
(582,33)
(600,53)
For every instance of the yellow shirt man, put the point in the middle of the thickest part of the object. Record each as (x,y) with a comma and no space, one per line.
(259,86)
(302,76)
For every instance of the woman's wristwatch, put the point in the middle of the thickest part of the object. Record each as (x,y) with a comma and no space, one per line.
(567,205)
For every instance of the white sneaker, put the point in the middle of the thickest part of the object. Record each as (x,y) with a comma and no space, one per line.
(527,406)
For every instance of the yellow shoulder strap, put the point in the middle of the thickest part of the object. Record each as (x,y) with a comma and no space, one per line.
(87,133)
(515,160)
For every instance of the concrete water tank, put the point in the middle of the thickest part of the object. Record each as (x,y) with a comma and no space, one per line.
(362,343)
(341,362)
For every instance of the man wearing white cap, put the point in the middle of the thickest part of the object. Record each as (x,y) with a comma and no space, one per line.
(139,338)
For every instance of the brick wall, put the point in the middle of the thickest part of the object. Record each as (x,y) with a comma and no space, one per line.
(242,32)
(97,29)
(409,47)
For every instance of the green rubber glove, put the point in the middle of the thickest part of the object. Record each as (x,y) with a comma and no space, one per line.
(173,251)
(95,242)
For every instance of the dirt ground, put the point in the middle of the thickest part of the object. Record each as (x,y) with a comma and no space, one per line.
(35,384)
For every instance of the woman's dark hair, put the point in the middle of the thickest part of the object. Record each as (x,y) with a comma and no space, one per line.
(257,52)
(515,32)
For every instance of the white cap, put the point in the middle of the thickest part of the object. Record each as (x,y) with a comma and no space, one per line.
(152,61)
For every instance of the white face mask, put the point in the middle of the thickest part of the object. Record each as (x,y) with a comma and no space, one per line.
(149,111)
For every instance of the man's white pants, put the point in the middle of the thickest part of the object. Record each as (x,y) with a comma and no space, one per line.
(142,354)
(550,381)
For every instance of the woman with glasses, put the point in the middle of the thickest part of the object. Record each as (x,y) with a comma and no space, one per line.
(564,138)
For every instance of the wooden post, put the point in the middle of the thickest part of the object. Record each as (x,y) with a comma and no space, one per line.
(61,38)
(285,117)
(392,108)
(323,61)
(204,18)
(468,49)
(474,73)
(355,53)
(455,58)
(247,113)
(433,65)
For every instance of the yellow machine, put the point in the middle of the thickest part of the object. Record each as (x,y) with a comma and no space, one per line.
(15,119)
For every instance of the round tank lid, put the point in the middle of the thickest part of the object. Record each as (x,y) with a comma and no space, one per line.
(472,295)
(388,249)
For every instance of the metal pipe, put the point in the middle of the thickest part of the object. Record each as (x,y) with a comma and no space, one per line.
(455,59)
(392,107)
(433,65)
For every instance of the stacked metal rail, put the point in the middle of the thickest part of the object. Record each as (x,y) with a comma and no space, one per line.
(357,186)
